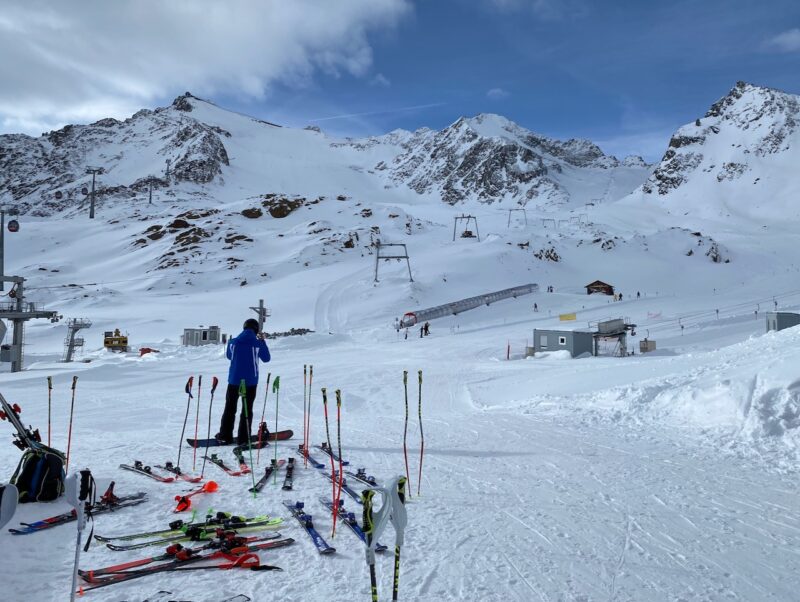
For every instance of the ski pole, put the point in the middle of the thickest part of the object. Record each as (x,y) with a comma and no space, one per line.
(330,450)
(79,488)
(369,530)
(49,405)
(340,484)
(69,430)
(243,395)
(305,413)
(188,391)
(263,413)
(214,382)
(421,435)
(405,424)
(308,426)
(276,387)
(197,420)
(399,520)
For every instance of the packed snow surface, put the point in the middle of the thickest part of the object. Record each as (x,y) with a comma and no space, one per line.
(664,476)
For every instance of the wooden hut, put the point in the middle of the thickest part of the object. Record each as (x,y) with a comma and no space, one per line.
(598,286)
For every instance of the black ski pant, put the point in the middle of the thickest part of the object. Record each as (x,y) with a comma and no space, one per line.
(229,415)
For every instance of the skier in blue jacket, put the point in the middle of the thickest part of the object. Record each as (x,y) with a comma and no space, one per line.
(244,352)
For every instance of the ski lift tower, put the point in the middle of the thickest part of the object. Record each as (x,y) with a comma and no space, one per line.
(18,312)
(378,257)
(467,233)
(510,211)
(72,342)
(262,312)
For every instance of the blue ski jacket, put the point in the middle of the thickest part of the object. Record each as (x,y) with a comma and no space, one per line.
(244,352)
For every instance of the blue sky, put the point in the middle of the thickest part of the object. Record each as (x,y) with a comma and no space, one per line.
(624,73)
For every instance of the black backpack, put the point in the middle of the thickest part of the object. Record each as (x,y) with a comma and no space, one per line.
(40,474)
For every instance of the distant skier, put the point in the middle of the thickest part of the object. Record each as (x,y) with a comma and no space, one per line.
(535,307)
(427,328)
(244,352)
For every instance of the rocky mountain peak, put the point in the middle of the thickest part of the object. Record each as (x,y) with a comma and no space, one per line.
(182,102)
(749,121)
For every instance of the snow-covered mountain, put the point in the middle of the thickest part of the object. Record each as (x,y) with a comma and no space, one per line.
(194,148)
(490,158)
(741,158)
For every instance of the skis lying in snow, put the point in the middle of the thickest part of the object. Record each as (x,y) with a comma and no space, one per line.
(288,479)
(277,436)
(350,520)
(324,447)
(170,467)
(238,451)
(236,557)
(146,471)
(361,476)
(224,540)
(214,459)
(199,533)
(110,504)
(273,467)
(220,519)
(345,487)
(165,596)
(301,452)
(304,519)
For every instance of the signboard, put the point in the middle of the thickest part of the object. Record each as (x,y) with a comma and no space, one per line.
(13,226)
(567,317)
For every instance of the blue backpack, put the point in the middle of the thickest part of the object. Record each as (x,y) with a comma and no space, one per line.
(40,474)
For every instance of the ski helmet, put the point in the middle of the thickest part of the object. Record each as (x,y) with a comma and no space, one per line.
(251,324)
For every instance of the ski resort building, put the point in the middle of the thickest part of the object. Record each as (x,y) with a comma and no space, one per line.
(598,286)
(778,320)
(577,342)
(196,337)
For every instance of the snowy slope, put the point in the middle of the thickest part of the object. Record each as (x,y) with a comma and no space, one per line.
(668,476)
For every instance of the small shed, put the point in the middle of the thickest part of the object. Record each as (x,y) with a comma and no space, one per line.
(598,286)
(778,320)
(196,337)
(577,342)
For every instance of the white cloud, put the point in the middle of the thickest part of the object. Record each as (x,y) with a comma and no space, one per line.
(380,80)
(64,62)
(787,41)
(497,94)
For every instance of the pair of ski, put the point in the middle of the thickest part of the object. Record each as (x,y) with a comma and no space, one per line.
(243,467)
(179,526)
(255,440)
(359,475)
(140,468)
(176,550)
(108,503)
(199,533)
(350,520)
(242,556)
(273,468)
